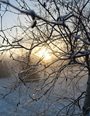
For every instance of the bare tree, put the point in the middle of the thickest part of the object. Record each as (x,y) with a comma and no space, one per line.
(63,27)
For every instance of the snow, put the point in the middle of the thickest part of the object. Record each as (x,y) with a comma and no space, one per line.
(16,98)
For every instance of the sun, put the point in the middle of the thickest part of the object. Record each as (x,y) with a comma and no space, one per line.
(44,54)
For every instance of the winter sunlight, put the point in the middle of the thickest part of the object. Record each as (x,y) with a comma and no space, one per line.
(44,54)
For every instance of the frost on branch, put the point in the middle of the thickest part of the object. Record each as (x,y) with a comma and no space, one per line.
(64,17)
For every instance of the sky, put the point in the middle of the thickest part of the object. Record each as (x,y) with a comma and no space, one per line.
(10,18)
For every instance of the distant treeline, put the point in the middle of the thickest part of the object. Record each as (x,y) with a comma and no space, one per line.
(4,70)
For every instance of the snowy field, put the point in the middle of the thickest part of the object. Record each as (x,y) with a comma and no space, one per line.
(19,99)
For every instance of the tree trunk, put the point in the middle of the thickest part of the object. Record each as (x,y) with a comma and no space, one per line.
(86,107)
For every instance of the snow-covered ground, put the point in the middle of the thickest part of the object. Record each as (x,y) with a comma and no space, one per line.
(19,99)
(16,101)
(16,98)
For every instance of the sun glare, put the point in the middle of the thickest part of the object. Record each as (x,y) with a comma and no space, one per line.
(44,54)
